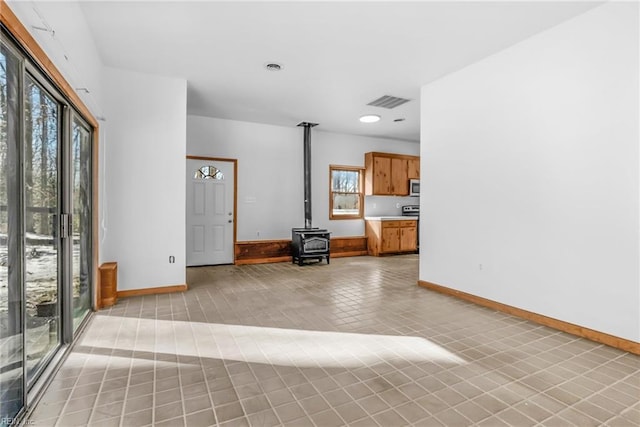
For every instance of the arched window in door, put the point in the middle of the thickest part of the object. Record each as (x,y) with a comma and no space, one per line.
(209,172)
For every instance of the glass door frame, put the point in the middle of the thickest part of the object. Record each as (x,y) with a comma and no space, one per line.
(34,382)
(64,214)
(71,116)
(70,108)
(15,240)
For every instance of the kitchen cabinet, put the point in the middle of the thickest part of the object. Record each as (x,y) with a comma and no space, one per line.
(399,177)
(390,240)
(388,174)
(381,170)
(408,236)
(413,168)
(386,236)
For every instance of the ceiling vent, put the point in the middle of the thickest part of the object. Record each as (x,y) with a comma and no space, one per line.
(388,101)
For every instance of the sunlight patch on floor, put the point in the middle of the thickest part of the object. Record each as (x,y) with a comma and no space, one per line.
(253,344)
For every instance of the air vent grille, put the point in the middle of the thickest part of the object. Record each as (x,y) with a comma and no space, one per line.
(388,101)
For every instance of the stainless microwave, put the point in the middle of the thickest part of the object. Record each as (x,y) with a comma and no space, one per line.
(414,187)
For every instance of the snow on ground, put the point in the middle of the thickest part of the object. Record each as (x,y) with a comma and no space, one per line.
(41,269)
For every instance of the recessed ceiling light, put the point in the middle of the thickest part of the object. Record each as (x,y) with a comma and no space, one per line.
(370,118)
(273,66)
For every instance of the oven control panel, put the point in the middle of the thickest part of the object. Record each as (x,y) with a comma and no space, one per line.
(411,210)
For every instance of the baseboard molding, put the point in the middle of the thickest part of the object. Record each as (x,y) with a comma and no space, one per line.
(267,251)
(581,331)
(262,251)
(348,246)
(263,260)
(152,291)
(348,254)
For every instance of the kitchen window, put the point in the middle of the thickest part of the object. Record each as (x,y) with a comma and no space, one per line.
(346,200)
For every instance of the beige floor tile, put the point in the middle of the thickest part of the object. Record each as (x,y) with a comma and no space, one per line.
(356,342)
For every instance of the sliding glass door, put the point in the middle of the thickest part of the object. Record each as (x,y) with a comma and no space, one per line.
(42,127)
(45,227)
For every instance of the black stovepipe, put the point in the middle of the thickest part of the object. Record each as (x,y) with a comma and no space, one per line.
(307,172)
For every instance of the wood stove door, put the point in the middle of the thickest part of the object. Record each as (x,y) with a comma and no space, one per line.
(210,216)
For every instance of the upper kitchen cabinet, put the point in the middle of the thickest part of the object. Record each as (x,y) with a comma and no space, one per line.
(399,176)
(388,174)
(414,168)
(377,174)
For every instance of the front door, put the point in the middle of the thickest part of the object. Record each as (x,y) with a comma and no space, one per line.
(210,212)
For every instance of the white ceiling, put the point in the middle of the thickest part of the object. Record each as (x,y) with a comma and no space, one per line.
(337,56)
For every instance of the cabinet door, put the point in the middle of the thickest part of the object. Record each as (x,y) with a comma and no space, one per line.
(414,168)
(390,237)
(399,177)
(381,175)
(408,238)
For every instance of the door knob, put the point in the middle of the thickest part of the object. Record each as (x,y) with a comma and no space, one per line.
(230,221)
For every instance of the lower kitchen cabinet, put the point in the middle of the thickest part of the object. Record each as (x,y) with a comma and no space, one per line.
(408,236)
(391,236)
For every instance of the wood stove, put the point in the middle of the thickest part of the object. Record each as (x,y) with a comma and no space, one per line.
(309,242)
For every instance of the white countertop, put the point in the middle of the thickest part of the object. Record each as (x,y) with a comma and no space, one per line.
(391,218)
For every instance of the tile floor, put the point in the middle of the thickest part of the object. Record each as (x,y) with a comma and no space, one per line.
(353,343)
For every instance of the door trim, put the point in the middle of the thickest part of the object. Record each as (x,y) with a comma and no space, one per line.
(235,192)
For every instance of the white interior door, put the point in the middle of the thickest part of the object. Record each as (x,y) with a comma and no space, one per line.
(210,216)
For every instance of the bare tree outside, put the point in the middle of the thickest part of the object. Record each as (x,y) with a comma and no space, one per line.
(345,192)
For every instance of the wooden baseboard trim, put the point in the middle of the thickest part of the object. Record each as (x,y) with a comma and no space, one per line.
(152,291)
(348,254)
(581,331)
(348,246)
(266,251)
(262,251)
(263,260)
(288,258)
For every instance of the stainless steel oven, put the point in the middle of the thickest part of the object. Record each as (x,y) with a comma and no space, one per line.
(413,211)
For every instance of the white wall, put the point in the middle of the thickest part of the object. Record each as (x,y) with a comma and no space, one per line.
(530,165)
(144,172)
(270,172)
(141,211)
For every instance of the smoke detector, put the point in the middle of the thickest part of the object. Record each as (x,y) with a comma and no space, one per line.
(273,66)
